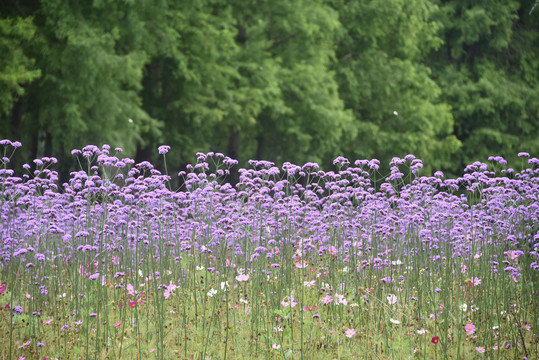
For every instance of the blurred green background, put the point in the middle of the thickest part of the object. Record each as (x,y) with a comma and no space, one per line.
(448,81)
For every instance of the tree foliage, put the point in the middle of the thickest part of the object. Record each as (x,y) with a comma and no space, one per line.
(450,81)
(487,68)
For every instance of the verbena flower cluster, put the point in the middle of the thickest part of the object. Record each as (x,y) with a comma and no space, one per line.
(354,237)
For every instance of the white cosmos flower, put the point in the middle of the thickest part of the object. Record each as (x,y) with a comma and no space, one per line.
(394,321)
(212,292)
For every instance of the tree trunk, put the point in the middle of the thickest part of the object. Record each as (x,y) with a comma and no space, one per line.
(233,152)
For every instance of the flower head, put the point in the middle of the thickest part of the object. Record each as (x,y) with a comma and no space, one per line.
(392,299)
(476,281)
(288,301)
(242,277)
(94,276)
(350,332)
(163,149)
(470,328)
(326,300)
(435,340)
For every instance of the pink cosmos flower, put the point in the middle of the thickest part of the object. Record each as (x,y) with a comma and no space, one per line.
(3,287)
(131,289)
(341,299)
(392,299)
(243,277)
(480,349)
(289,302)
(476,281)
(350,332)
(24,345)
(118,324)
(172,287)
(470,328)
(327,300)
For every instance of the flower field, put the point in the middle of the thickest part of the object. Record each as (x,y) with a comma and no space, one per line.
(290,263)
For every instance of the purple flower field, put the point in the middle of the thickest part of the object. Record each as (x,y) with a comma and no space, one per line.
(292,262)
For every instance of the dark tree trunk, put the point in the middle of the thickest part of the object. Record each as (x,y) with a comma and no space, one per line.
(260,147)
(233,152)
(144,153)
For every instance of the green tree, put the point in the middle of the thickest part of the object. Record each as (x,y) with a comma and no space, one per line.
(383,79)
(17,69)
(288,50)
(487,68)
(91,69)
(247,79)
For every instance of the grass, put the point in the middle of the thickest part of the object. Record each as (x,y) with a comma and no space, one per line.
(289,264)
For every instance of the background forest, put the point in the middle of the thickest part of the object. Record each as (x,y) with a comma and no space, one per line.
(449,81)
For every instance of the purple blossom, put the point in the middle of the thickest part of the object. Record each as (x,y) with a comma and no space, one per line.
(94,276)
(163,149)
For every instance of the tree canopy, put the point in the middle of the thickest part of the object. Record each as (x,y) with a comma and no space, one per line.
(449,81)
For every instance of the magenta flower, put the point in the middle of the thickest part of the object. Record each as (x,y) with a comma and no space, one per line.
(470,328)
(288,301)
(242,277)
(476,281)
(94,276)
(24,345)
(327,300)
(131,290)
(163,149)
